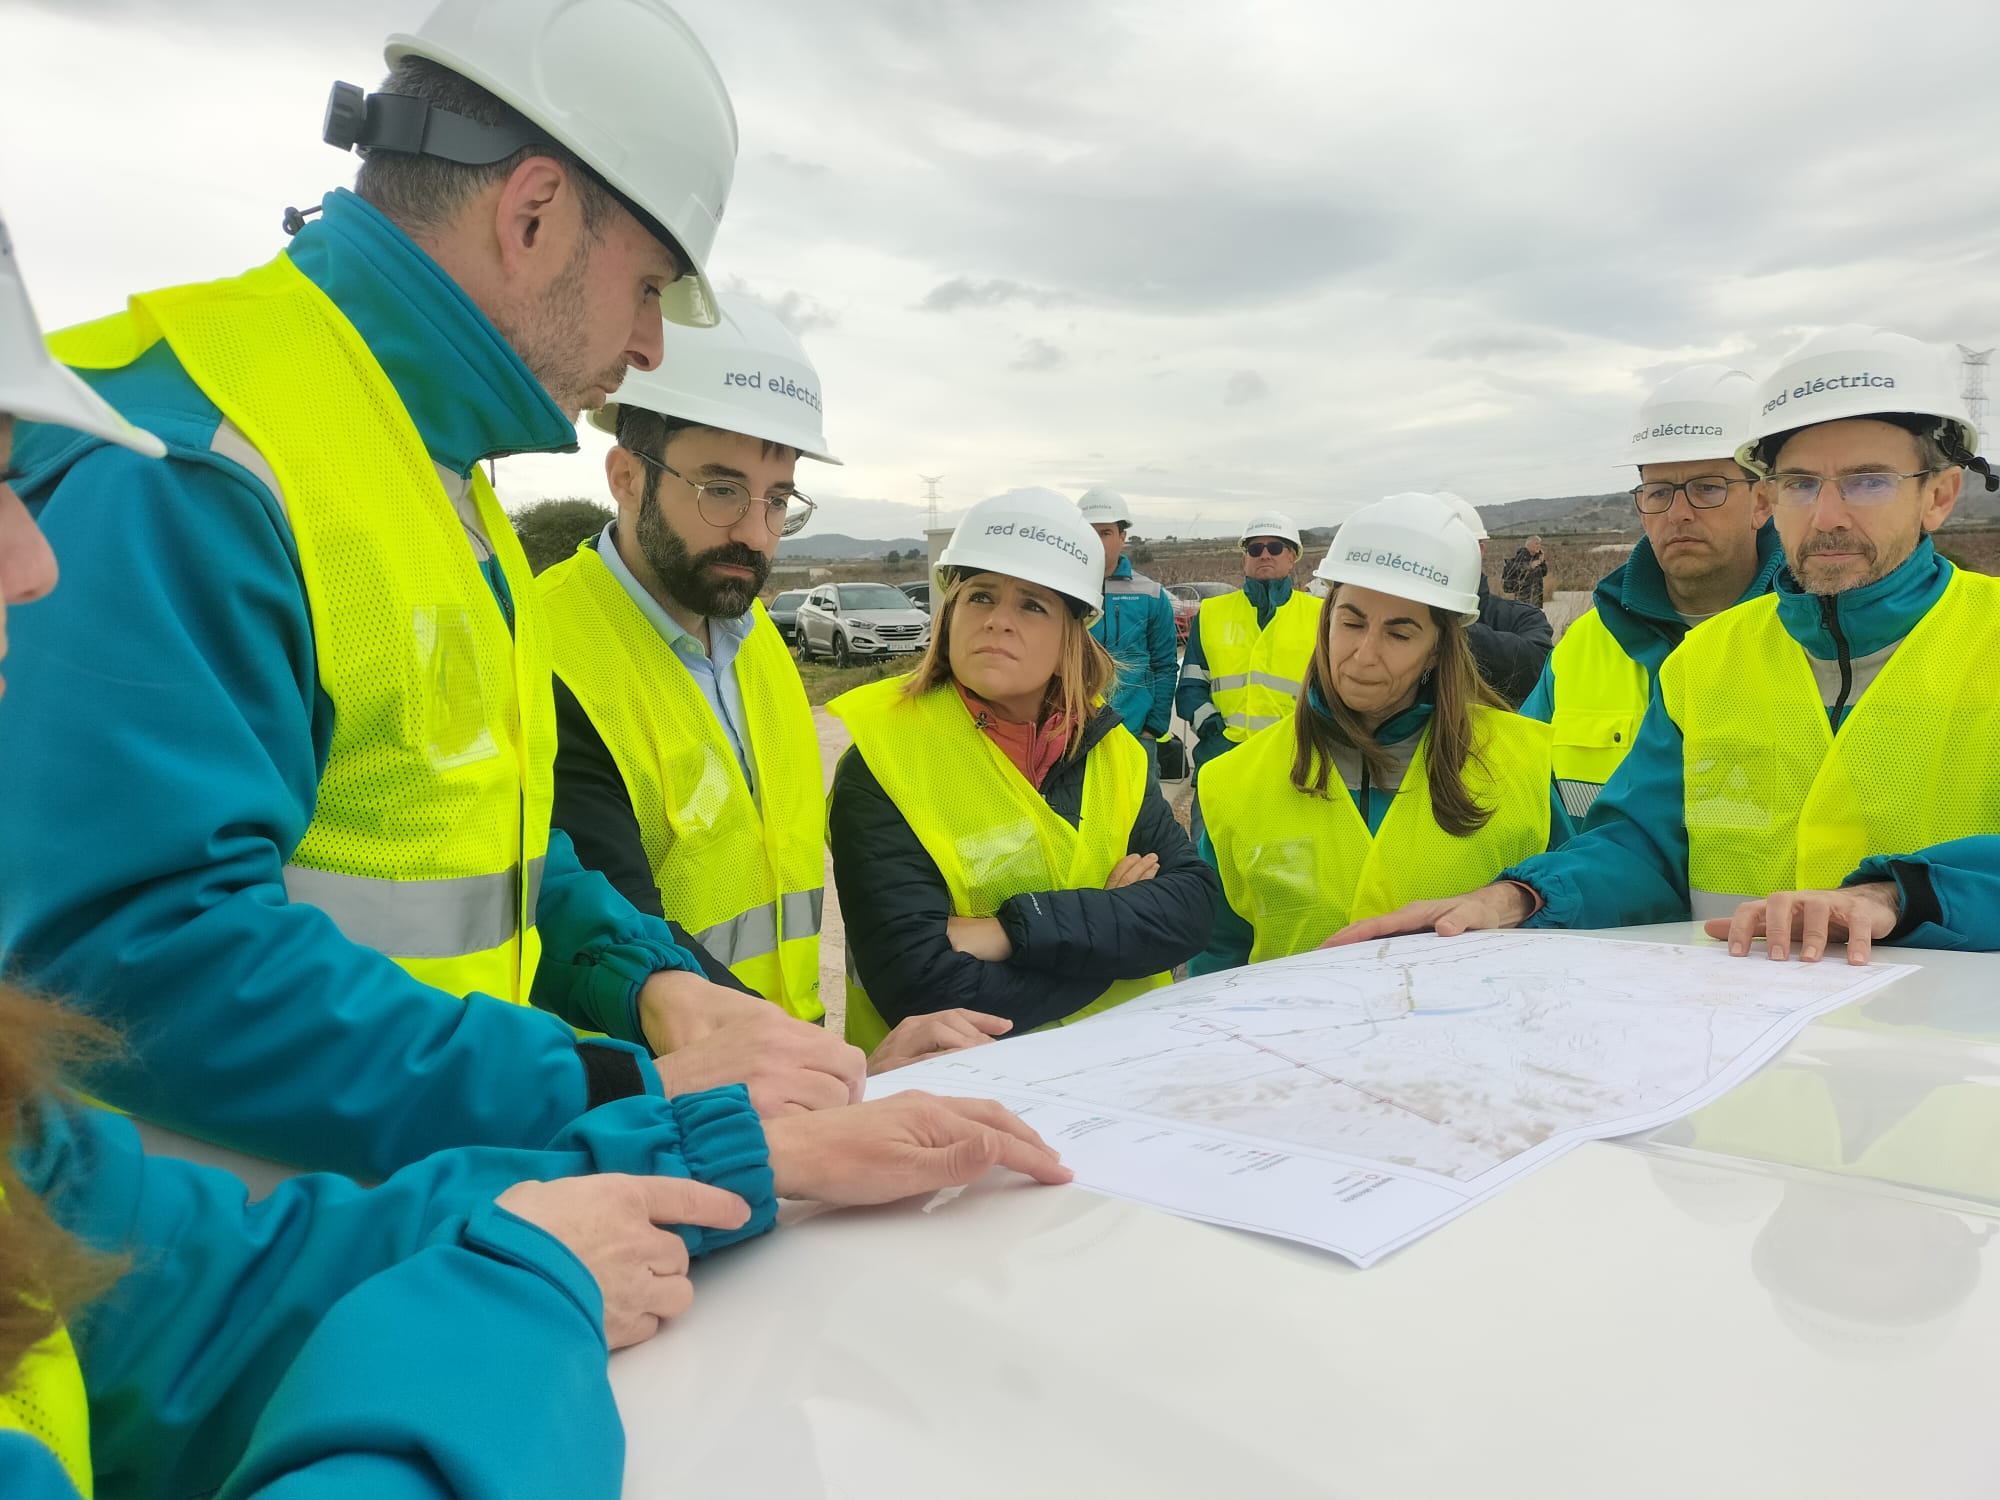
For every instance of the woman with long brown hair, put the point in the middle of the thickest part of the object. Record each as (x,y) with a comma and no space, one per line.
(999,840)
(1401,774)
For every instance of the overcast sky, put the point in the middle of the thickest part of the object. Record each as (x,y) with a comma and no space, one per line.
(1219,256)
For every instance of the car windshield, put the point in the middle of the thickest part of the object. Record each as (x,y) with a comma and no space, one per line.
(872,596)
(788,601)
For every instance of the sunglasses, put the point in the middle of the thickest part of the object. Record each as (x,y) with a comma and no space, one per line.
(1266,549)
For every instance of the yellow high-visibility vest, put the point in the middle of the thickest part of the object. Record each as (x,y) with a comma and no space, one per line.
(432,818)
(744,874)
(1298,868)
(1600,698)
(44,1397)
(1254,675)
(982,822)
(1776,800)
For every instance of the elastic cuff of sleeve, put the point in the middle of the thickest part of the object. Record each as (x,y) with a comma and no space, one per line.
(631,963)
(499,1235)
(1014,922)
(1553,895)
(612,1071)
(722,1144)
(1919,898)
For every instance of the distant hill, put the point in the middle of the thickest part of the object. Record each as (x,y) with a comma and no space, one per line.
(833,546)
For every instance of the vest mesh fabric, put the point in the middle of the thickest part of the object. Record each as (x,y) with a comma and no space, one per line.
(1775,800)
(982,822)
(1298,868)
(1254,675)
(442,762)
(1600,699)
(718,855)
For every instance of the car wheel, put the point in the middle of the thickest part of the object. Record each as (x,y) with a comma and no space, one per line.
(841,655)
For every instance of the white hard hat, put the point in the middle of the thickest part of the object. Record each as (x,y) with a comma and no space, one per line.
(1104,506)
(1037,536)
(1466,512)
(1272,523)
(749,374)
(1858,371)
(1698,413)
(1412,546)
(38,388)
(624,84)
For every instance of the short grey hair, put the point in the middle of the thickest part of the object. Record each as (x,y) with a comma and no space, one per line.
(422,194)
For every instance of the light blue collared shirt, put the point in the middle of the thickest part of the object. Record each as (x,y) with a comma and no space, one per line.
(713,673)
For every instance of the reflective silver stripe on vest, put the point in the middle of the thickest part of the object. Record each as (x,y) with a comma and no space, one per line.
(1251,723)
(451,918)
(1229,682)
(754,933)
(1707,904)
(1138,583)
(534,901)
(1578,795)
(1284,685)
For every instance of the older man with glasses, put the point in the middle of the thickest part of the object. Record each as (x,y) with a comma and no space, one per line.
(1706,547)
(1821,763)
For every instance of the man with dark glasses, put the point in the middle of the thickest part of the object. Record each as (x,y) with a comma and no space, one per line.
(1247,651)
(1822,763)
(1706,547)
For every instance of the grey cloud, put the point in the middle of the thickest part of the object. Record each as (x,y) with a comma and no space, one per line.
(966,291)
(795,309)
(1038,354)
(1488,344)
(1244,387)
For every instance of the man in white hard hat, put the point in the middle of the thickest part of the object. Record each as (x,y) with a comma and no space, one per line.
(1821,763)
(296,841)
(1247,651)
(1510,639)
(688,769)
(1706,547)
(1137,626)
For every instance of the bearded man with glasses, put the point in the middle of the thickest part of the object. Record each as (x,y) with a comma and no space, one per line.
(1706,547)
(1821,763)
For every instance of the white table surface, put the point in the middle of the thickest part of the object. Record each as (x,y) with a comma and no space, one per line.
(1773,1304)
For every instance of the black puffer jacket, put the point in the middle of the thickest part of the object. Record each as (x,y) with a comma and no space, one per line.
(1511,641)
(1068,945)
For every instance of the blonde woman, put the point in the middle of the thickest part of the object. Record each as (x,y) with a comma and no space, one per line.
(1401,775)
(999,841)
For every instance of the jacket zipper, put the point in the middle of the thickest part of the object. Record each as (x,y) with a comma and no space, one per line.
(1829,616)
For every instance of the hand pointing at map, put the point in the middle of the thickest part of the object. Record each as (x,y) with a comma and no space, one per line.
(1505,903)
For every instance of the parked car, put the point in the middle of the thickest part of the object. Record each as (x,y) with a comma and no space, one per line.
(852,621)
(784,613)
(1187,599)
(919,592)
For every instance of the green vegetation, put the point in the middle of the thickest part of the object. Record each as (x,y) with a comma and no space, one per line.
(824,682)
(551,530)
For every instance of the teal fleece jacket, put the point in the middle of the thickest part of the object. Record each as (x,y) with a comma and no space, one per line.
(408,1340)
(164,736)
(1630,864)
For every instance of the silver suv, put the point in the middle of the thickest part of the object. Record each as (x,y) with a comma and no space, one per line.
(850,621)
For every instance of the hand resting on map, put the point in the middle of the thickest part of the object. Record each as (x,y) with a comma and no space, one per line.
(1859,913)
(1505,903)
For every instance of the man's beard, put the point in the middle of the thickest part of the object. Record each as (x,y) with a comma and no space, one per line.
(1875,564)
(546,335)
(684,575)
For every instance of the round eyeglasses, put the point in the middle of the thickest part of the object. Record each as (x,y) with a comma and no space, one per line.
(723,502)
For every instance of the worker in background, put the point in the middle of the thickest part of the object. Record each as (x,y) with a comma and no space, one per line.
(293,836)
(1137,626)
(1401,774)
(1819,763)
(161,1336)
(1246,652)
(999,841)
(1526,573)
(688,767)
(1706,547)
(1510,640)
